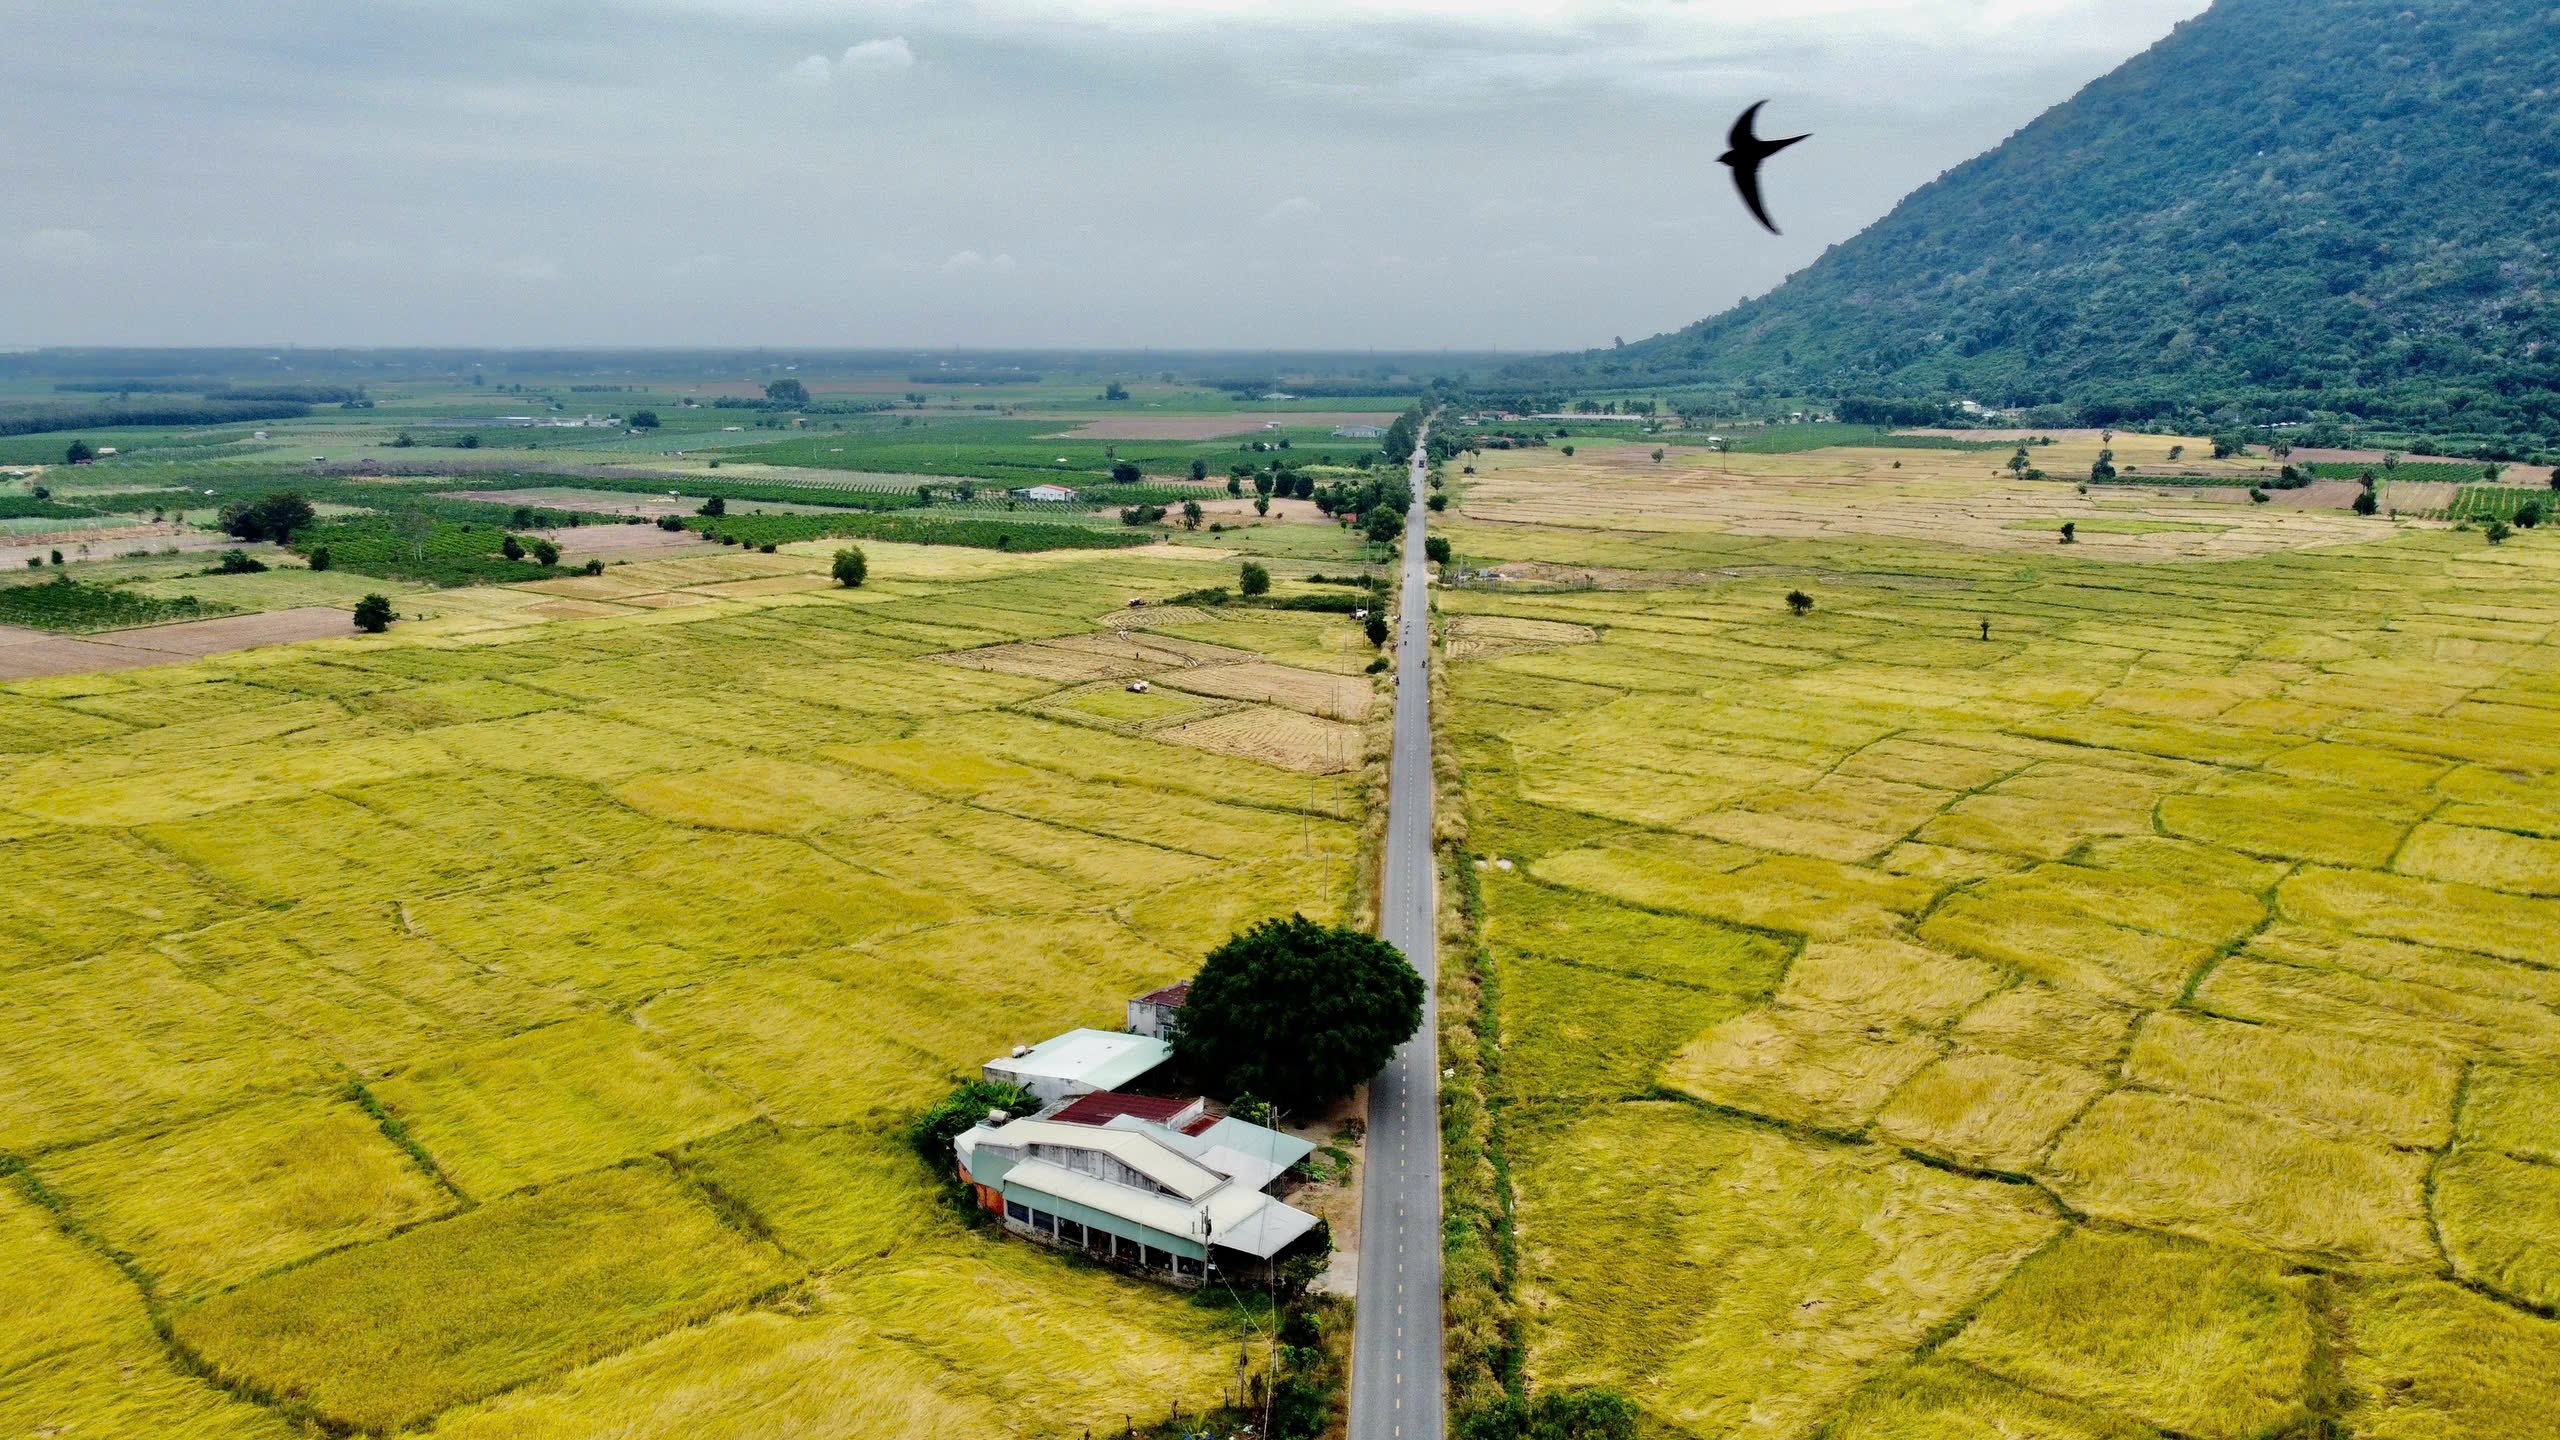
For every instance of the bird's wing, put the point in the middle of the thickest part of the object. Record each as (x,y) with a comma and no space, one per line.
(1741,138)
(1746,178)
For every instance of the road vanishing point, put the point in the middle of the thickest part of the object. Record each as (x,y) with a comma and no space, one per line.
(1395,1341)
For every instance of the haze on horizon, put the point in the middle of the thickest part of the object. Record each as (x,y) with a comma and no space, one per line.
(1173,173)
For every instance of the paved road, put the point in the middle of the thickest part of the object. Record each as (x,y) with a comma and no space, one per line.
(1395,1356)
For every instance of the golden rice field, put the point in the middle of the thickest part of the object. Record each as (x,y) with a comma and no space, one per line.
(503,1026)
(2141,1021)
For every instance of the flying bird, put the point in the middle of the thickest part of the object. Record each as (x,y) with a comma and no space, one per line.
(1744,157)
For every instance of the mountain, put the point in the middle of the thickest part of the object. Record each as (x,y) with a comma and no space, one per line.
(2285,208)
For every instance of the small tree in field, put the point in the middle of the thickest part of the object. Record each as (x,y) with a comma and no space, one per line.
(512,548)
(2498,532)
(1799,602)
(1376,629)
(1657,454)
(1253,579)
(373,614)
(1200,470)
(1296,1012)
(2070,532)
(2366,504)
(715,507)
(78,453)
(1124,473)
(545,553)
(850,568)
(1191,513)
(644,419)
(1261,504)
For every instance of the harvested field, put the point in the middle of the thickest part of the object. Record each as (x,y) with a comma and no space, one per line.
(1334,697)
(2191,886)
(27,654)
(1284,738)
(507,1025)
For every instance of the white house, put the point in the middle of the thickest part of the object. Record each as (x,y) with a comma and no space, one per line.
(1153,1013)
(1079,1063)
(1358,432)
(1048,494)
(1147,1184)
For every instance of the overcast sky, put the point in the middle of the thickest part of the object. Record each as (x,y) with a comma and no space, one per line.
(1302,173)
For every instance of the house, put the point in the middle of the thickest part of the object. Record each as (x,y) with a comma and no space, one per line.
(1079,1063)
(1050,494)
(1154,1012)
(1151,1185)
(1358,432)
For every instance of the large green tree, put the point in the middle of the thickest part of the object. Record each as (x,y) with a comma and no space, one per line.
(1296,1012)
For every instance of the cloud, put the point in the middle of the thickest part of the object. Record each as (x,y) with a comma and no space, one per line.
(878,57)
(872,57)
(970,262)
(1296,207)
(59,247)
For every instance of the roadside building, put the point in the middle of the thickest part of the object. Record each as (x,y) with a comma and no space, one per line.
(1358,432)
(1046,494)
(1079,1063)
(1154,1012)
(1145,1184)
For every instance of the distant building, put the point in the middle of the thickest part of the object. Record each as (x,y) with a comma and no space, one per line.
(1358,432)
(1047,494)
(1151,1185)
(1079,1063)
(1153,1013)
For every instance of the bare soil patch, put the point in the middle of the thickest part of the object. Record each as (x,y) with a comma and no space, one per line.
(1335,697)
(1296,511)
(25,654)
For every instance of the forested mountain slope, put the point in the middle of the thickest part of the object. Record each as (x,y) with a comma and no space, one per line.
(2345,206)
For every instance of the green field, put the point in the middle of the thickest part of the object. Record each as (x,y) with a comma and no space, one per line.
(505,1024)
(2137,1020)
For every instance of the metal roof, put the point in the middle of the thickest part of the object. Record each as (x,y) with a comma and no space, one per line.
(1095,1059)
(1233,1217)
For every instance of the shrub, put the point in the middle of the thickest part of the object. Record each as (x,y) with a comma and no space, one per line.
(850,568)
(1377,629)
(2257,496)
(1376,664)
(2528,515)
(320,558)
(2498,532)
(594,567)
(1297,1012)
(1253,579)
(1437,503)
(644,420)
(373,614)
(715,507)
(670,522)
(1435,548)
(1799,602)
(931,1133)
(2365,503)
(237,562)
(2070,532)
(1124,473)
(545,553)
(512,548)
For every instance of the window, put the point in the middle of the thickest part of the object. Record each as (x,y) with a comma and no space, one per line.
(1017,1212)
(1071,1232)
(1044,1222)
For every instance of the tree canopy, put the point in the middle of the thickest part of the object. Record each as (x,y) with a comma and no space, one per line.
(269,517)
(1296,1012)
(786,392)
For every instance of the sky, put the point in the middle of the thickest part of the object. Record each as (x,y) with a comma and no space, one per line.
(1396,174)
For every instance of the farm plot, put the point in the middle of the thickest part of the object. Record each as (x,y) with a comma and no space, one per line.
(507,1026)
(2159,912)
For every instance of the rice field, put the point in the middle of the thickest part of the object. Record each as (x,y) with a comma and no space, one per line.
(504,1025)
(2094,991)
